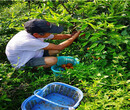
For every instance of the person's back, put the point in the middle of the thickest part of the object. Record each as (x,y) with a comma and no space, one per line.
(22,47)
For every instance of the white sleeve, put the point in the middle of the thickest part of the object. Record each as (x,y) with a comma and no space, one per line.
(50,36)
(34,45)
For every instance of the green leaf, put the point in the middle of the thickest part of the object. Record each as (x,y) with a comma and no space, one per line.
(94,45)
(84,44)
(94,27)
(7,100)
(87,35)
(11,25)
(87,55)
(83,27)
(120,26)
(124,32)
(101,47)
(94,38)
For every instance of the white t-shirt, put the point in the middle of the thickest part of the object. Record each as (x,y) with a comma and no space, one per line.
(23,46)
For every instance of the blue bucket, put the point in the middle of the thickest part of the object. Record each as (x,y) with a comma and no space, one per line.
(54,96)
(57,69)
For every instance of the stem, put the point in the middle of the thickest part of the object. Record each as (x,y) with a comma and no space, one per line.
(45,2)
(66,8)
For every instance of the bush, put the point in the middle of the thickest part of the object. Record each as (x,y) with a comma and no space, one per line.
(103,50)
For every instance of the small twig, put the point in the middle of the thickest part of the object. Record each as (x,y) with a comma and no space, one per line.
(45,2)
(66,8)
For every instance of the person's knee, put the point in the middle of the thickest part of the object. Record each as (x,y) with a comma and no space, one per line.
(54,60)
(50,60)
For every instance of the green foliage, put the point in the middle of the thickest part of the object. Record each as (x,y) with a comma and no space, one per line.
(104,51)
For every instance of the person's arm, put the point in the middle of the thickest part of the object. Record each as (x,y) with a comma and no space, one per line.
(62,45)
(61,36)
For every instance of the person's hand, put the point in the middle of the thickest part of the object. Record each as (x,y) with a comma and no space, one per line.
(77,33)
(74,32)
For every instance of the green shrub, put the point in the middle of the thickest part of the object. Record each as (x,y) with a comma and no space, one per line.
(103,72)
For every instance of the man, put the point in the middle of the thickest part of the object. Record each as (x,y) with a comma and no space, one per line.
(28,47)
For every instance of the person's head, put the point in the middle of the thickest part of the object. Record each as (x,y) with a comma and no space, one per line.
(41,28)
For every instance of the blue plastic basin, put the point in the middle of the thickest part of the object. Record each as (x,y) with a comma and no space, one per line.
(54,96)
(57,69)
